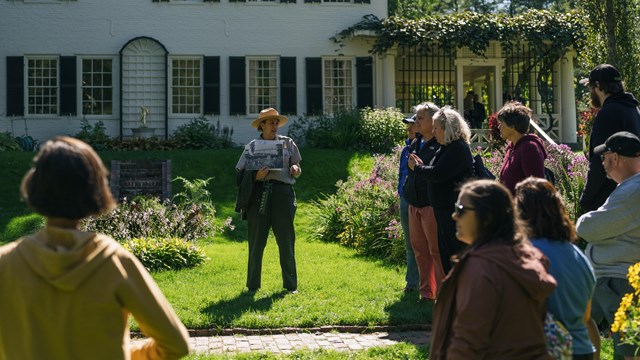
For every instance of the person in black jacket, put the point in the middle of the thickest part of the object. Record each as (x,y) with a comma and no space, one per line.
(423,230)
(451,165)
(618,112)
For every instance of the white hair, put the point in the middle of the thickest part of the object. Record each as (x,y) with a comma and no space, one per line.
(454,125)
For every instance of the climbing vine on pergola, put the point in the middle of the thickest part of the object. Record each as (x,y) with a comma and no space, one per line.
(547,32)
(550,35)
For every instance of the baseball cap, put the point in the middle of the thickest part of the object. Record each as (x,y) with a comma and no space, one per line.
(623,143)
(603,73)
(410,120)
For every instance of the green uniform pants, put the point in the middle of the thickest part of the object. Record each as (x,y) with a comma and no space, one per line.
(279,216)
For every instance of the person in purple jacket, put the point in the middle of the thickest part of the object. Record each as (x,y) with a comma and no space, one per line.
(525,152)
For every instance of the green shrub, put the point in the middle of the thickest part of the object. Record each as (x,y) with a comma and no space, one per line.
(382,129)
(337,131)
(165,254)
(143,144)
(8,143)
(186,217)
(94,135)
(199,134)
(373,130)
(364,212)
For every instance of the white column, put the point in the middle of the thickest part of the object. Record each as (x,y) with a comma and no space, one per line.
(569,119)
(389,80)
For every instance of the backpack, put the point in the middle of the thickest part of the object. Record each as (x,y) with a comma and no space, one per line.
(550,176)
(479,170)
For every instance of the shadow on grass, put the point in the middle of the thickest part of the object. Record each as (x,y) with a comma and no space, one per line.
(407,310)
(226,311)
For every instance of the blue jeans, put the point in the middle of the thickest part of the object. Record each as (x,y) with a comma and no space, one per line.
(412,278)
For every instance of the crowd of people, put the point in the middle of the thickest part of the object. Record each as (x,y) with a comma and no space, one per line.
(493,257)
(507,247)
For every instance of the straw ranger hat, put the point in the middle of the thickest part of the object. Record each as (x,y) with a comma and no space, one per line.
(267,114)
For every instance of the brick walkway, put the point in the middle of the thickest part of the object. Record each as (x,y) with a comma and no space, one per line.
(286,343)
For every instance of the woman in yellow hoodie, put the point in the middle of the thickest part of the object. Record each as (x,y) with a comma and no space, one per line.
(67,294)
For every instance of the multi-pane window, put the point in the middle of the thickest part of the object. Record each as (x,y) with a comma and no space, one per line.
(263,84)
(42,86)
(337,84)
(97,86)
(336,1)
(186,86)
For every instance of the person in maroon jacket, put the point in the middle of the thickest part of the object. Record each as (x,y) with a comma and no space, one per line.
(525,152)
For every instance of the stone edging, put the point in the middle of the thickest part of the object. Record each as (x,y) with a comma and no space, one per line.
(291,330)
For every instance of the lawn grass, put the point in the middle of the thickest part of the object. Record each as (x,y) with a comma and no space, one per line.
(337,287)
(401,351)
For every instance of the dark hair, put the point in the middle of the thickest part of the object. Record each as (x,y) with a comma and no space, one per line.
(542,212)
(611,87)
(494,211)
(68,180)
(515,115)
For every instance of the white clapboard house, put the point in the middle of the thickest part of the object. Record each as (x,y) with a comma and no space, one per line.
(62,61)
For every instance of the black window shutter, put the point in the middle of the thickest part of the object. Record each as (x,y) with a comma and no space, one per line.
(211,89)
(288,1)
(314,86)
(364,78)
(15,86)
(210,0)
(237,93)
(68,88)
(362,1)
(311,1)
(288,98)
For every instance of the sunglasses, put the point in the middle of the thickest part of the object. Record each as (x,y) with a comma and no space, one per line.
(460,209)
(603,154)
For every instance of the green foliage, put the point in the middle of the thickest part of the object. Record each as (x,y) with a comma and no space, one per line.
(165,254)
(551,34)
(612,35)
(190,216)
(382,129)
(143,144)
(200,134)
(94,135)
(364,212)
(8,143)
(374,130)
(335,131)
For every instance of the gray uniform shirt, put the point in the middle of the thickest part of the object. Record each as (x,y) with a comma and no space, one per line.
(291,156)
(613,231)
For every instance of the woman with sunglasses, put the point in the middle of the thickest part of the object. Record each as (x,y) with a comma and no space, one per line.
(492,303)
(550,229)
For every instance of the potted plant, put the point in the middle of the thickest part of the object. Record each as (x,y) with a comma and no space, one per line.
(143,131)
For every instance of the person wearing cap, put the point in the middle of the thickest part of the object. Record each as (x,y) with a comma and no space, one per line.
(423,229)
(411,277)
(618,112)
(613,230)
(272,205)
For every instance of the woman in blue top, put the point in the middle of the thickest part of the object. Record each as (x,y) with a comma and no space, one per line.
(550,229)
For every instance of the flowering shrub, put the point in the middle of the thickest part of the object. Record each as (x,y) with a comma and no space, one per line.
(569,168)
(189,216)
(627,319)
(494,135)
(364,212)
(586,123)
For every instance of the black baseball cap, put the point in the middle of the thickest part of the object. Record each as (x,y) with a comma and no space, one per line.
(623,143)
(602,73)
(410,120)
